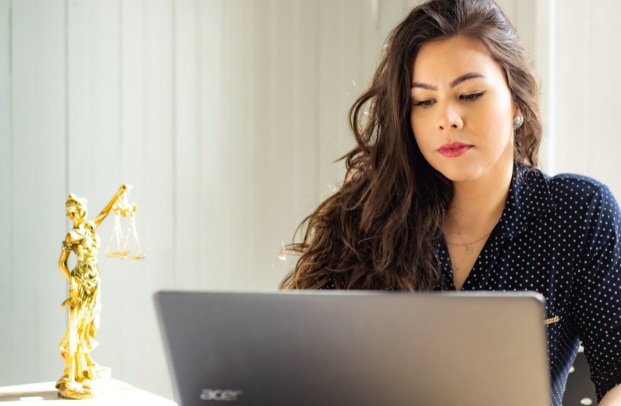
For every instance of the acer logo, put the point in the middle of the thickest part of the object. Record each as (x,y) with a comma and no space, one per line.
(221,395)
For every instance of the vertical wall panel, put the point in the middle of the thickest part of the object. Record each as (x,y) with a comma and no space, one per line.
(339,77)
(306,105)
(287,195)
(524,22)
(79,100)
(545,32)
(301,186)
(274,191)
(210,219)
(93,85)
(186,134)
(275,200)
(374,31)
(24,170)
(37,199)
(158,183)
(602,104)
(264,119)
(581,94)
(132,17)
(49,152)
(6,187)
(235,144)
(573,88)
(214,107)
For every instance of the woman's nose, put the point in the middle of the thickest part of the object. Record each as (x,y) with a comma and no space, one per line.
(449,117)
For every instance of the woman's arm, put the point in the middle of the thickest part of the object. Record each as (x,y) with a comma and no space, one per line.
(597,309)
(612,398)
(106,210)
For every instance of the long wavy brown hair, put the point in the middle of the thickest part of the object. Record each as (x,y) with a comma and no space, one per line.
(381,228)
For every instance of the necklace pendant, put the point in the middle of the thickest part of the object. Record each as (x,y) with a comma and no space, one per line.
(469,248)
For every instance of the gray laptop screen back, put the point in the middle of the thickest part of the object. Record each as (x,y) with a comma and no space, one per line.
(355,348)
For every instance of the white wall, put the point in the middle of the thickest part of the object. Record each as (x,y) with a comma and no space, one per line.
(226,116)
(587,55)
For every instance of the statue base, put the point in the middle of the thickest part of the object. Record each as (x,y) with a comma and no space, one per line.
(84,389)
(75,390)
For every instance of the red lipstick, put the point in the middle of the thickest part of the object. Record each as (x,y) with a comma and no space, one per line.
(454,149)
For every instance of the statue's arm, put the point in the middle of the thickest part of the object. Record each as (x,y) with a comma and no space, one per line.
(64,255)
(106,210)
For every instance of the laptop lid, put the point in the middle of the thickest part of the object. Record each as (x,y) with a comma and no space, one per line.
(355,348)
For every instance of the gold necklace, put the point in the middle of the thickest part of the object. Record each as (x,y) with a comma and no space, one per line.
(469,245)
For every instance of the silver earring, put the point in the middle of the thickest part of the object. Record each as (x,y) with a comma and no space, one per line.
(518,121)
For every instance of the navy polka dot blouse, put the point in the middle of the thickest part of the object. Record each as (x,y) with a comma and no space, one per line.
(559,236)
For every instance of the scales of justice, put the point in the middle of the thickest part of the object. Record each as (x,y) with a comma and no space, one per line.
(84,295)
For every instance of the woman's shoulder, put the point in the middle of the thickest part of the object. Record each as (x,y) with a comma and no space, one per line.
(576,182)
(573,188)
(568,184)
(563,193)
(575,191)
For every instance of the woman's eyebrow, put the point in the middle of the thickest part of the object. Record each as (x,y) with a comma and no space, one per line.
(424,86)
(462,78)
(467,76)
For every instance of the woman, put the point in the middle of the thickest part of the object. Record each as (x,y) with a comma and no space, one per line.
(84,299)
(442,191)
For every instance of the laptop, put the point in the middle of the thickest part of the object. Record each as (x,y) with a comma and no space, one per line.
(355,348)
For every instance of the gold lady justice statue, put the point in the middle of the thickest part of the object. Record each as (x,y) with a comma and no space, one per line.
(84,296)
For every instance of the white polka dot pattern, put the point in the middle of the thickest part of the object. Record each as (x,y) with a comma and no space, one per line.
(559,236)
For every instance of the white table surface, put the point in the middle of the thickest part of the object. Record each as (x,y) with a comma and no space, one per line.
(111,392)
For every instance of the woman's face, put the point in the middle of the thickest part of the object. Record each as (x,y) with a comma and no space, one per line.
(462,110)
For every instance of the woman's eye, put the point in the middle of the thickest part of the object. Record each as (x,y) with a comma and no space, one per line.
(471,96)
(423,103)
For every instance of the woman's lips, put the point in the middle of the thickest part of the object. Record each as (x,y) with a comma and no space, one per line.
(454,149)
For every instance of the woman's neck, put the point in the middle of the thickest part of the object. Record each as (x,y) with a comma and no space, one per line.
(477,206)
